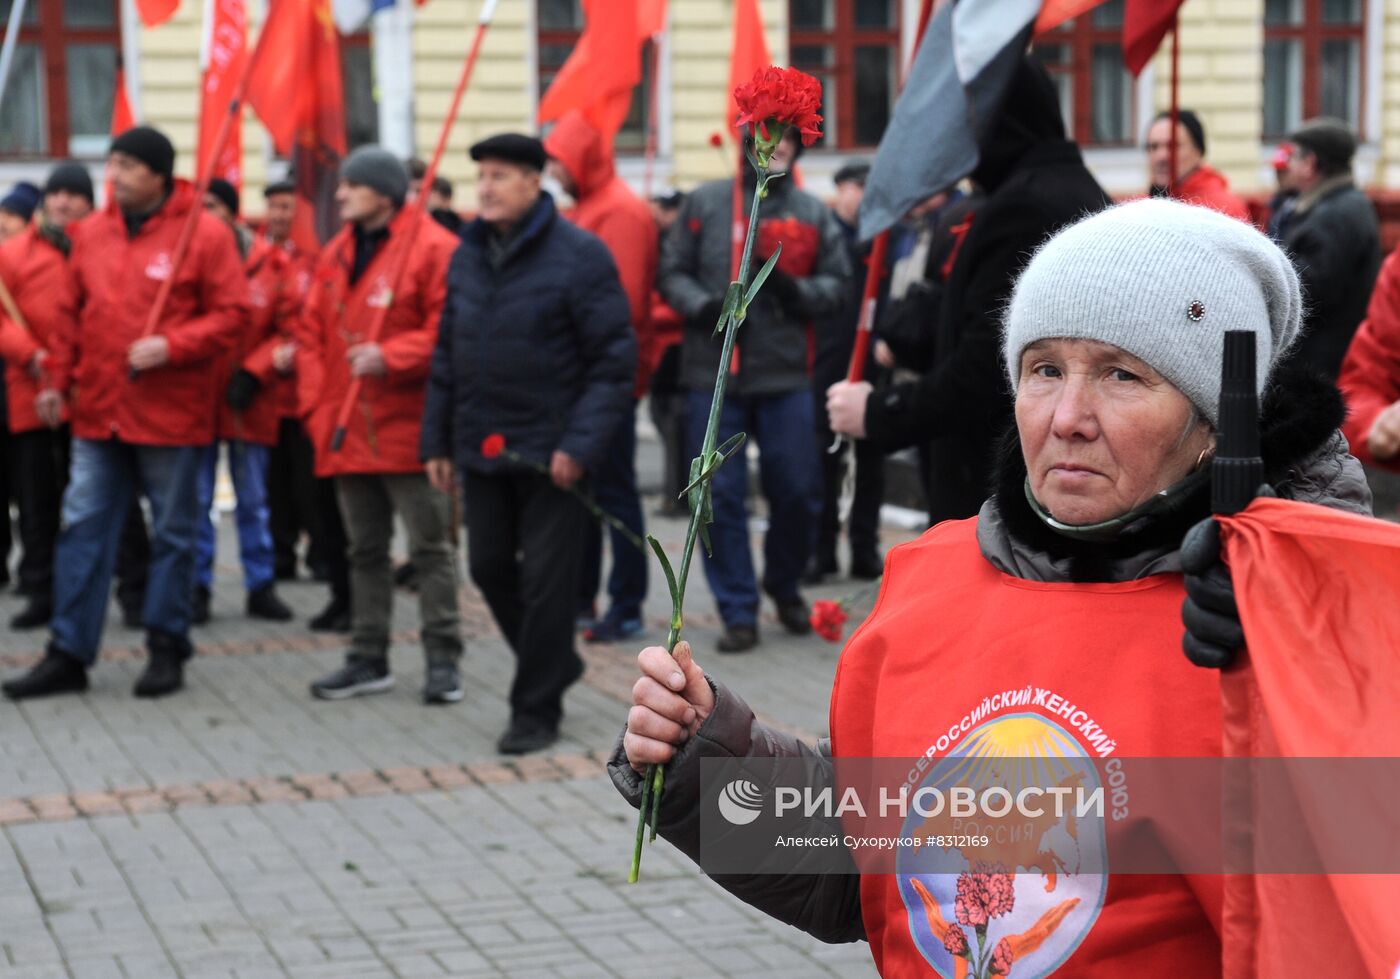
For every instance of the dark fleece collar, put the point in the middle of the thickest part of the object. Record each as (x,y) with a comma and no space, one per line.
(1300,412)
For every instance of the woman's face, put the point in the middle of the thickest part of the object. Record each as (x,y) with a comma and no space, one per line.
(1100,430)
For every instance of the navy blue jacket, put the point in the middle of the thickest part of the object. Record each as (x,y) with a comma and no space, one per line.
(539,349)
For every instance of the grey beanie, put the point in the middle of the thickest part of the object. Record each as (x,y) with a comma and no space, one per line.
(1162,280)
(379,170)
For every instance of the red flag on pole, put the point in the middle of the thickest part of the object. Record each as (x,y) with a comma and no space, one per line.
(651,18)
(224,55)
(122,116)
(1145,23)
(1053,13)
(604,68)
(298,95)
(156,12)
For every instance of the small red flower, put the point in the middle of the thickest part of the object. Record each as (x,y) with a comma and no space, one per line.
(828,618)
(716,140)
(783,95)
(493,445)
(956,942)
(1002,958)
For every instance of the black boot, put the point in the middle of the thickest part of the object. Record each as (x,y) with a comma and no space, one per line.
(866,563)
(264,604)
(335,617)
(57,672)
(36,613)
(165,670)
(199,607)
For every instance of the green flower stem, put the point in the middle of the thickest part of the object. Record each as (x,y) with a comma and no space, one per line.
(656,774)
(588,501)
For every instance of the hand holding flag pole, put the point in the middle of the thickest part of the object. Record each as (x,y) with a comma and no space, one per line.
(419,205)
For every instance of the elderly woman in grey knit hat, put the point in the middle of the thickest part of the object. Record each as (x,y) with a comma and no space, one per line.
(1050,624)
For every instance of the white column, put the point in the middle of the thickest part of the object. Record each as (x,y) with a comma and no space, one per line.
(392,32)
(131,56)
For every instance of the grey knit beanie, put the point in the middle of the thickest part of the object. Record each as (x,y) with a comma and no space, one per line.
(379,170)
(1162,280)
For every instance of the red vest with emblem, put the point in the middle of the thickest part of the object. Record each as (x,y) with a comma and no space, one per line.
(957,654)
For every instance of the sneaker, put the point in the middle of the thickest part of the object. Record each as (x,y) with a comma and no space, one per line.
(356,678)
(199,608)
(37,612)
(57,672)
(443,684)
(263,603)
(613,629)
(795,616)
(335,617)
(738,639)
(527,734)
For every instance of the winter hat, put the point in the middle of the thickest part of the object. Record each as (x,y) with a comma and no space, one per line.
(21,200)
(1191,123)
(511,147)
(279,187)
(72,177)
(1330,140)
(226,193)
(1162,280)
(148,145)
(379,170)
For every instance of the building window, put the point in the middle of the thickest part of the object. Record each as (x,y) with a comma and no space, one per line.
(559,25)
(1085,59)
(58,102)
(357,78)
(1312,62)
(852,46)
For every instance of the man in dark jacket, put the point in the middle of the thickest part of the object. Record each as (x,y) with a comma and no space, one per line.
(1036,182)
(769,394)
(535,349)
(1332,237)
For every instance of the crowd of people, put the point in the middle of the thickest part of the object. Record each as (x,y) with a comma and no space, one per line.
(475,377)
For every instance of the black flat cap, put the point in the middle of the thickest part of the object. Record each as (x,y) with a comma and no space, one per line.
(856,170)
(279,187)
(511,147)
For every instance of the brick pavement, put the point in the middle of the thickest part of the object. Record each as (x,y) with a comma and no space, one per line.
(242,829)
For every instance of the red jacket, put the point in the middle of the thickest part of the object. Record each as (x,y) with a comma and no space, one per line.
(383,431)
(1370,378)
(607,207)
(37,275)
(1207,187)
(117,277)
(276,285)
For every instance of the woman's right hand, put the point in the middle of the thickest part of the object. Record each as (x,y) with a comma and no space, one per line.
(670,701)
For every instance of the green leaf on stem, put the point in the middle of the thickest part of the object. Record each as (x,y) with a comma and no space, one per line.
(762,276)
(666,567)
(731,303)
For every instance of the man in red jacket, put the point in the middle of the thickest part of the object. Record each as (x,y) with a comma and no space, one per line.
(141,409)
(1197,182)
(1370,378)
(34,268)
(377,470)
(582,162)
(247,422)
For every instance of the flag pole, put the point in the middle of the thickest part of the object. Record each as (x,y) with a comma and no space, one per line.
(376,325)
(1175,104)
(651,116)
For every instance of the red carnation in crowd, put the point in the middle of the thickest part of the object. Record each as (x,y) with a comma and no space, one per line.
(716,140)
(955,941)
(783,95)
(493,445)
(828,619)
(1001,958)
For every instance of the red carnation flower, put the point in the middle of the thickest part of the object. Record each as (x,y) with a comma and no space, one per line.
(969,905)
(784,96)
(716,140)
(493,445)
(955,941)
(1002,958)
(999,888)
(828,619)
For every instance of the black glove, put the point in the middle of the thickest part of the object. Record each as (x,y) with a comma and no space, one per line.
(242,386)
(1212,618)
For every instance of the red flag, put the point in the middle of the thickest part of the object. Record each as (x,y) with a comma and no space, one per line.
(1053,13)
(1145,23)
(122,116)
(1317,595)
(651,18)
(297,93)
(748,55)
(604,67)
(156,12)
(225,54)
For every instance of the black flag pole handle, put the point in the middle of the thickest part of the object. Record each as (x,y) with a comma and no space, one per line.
(1238,469)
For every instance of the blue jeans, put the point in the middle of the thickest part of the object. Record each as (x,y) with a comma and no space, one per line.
(248,466)
(105,475)
(783,428)
(614,487)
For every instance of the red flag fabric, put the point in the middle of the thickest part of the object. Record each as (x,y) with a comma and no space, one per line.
(122,116)
(225,54)
(1053,13)
(748,54)
(1317,595)
(297,93)
(651,18)
(153,13)
(598,77)
(1145,23)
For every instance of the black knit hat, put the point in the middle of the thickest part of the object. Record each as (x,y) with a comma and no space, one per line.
(1330,140)
(856,171)
(279,187)
(21,200)
(513,148)
(72,177)
(1191,123)
(148,145)
(226,192)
